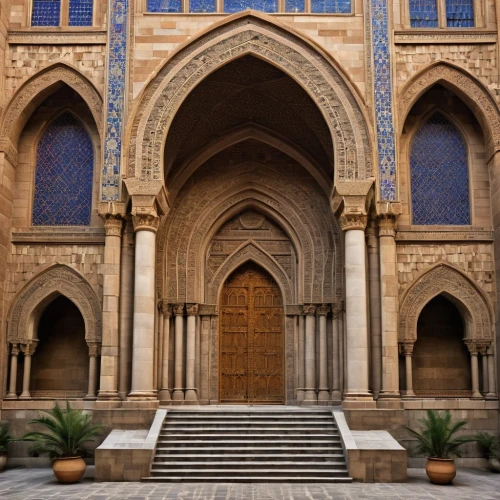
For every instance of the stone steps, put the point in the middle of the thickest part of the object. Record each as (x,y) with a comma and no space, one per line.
(261,445)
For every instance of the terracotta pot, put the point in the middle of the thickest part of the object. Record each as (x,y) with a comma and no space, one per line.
(441,470)
(3,460)
(69,470)
(494,464)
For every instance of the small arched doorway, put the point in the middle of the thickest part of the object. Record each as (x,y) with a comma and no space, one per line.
(251,346)
(441,361)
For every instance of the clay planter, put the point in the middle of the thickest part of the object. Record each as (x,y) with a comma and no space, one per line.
(441,470)
(69,470)
(494,464)
(3,460)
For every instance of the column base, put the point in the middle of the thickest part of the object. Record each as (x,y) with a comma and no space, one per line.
(164,396)
(490,396)
(300,394)
(108,396)
(191,395)
(323,395)
(178,395)
(90,397)
(10,395)
(143,396)
(336,398)
(389,395)
(408,395)
(25,396)
(310,397)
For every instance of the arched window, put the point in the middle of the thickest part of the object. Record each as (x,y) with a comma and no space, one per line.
(64,175)
(439,174)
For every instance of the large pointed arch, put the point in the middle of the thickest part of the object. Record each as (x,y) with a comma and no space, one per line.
(466,86)
(31,300)
(250,33)
(442,278)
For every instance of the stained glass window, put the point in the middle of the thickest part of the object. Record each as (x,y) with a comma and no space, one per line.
(64,175)
(202,6)
(80,12)
(46,13)
(439,174)
(239,5)
(331,6)
(423,14)
(164,6)
(459,13)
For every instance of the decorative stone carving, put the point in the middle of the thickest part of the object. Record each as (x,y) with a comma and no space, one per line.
(29,348)
(31,300)
(310,310)
(471,301)
(350,203)
(178,309)
(192,309)
(146,222)
(15,350)
(94,349)
(113,225)
(406,348)
(353,221)
(323,310)
(387,225)
(250,34)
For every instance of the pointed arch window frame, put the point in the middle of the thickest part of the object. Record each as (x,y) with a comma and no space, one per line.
(463,135)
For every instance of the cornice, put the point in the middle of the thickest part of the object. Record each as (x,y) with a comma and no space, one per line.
(32,36)
(53,235)
(443,235)
(444,36)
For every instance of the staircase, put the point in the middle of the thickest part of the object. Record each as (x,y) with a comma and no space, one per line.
(291,445)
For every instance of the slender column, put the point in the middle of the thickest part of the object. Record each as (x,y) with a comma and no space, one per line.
(178,394)
(473,350)
(94,352)
(165,389)
(390,305)
(28,350)
(492,389)
(14,353)
(406,350)
(375,325)
(310,355)
(484,369)
(191,390)
(113,222)
(126,309)
(336,312)
(323,394)
(143,355)
(301,358)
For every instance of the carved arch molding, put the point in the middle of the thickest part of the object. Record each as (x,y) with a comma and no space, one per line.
(250,33)
(443,279)
(57,280)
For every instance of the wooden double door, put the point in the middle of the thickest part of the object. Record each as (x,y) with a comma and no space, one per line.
(251,366)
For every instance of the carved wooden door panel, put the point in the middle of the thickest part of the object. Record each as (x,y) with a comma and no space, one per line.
(251,338)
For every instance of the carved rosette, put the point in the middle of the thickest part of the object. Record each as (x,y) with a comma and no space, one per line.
(178,309)
(29,348)
(192,309)
(310,310)
(94,349)
(322,310)
(387,225)
(14,350)
(406,348)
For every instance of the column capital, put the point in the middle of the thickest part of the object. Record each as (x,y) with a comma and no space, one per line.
(94,349)
(482,348)
(406,348)
(192,309)
(29,348)
(323,310)
(178,309)
(337,308)
(14,350)
(165,308)
(113,224)
(387,225)
(146,221)
(473,347)
(349,222)
(112,209)
(350,204)
(310,310)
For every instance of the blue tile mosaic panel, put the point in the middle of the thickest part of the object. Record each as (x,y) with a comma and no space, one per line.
(231,6)
(423,14)
(383,99)
(460,13)
(165,6)
(117,67)
(331,6)
(439,174)
(64,175)
(80,12)
(294,5)
(46,13)
(202,6)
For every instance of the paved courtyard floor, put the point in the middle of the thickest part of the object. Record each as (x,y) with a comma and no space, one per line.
(32,484)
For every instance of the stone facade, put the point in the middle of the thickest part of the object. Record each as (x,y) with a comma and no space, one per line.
(281,139)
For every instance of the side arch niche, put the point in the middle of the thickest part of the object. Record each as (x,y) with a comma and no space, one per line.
(32,300)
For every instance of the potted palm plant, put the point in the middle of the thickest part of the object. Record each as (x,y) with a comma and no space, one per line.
(68,432)
(491,447)
(5,439)
(437,440)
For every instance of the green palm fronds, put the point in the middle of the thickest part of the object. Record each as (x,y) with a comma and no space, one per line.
(5,437)
(491,444)
(436,438)
(68,432)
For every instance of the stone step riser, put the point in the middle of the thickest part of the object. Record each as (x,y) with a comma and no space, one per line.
(246,472)
(247,479)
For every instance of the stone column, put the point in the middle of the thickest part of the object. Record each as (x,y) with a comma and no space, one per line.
(310,355)
(14,353)
(323,393)
(143,355)
(191,390)
(406,349)
(113,222)
(28,351)
(492,386)
(94,353)
(375,325)
(473,350)
(165,385)
(178,394)
(484,369)
(390,304)
(336,313)
(301,358)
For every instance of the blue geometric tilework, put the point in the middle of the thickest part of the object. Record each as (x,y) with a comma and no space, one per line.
(64,174)
(46,13)
(331,6)
(383,100)
(423,14)
(117,65)
(239,5)
(80,12)
(460,13)
(164,5)
(439,174)
(202,6)
(294,5)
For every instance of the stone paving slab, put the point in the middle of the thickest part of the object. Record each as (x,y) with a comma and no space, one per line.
(39,484)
